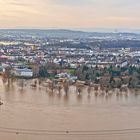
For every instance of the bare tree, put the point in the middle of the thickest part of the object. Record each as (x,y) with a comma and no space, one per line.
(66,86)
(34,84)
(96,87)
(59,88)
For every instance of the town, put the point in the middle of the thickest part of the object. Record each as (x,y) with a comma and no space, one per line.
(90,58)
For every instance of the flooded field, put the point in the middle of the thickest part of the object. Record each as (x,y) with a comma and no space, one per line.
(37,114)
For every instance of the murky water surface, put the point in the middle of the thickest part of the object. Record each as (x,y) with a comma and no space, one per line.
(37,114)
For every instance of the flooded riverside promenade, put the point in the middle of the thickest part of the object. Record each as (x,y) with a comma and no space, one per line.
(37,113)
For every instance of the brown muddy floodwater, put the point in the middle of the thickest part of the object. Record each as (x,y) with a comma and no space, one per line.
(37,114)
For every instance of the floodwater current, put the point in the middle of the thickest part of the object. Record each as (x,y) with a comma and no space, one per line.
(37,114)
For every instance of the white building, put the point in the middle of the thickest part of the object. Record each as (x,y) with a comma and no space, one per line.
(23,72)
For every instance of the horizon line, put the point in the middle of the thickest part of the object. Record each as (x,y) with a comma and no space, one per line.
(102,29)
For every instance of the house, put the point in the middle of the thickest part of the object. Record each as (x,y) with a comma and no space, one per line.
(23,72)
(62,75)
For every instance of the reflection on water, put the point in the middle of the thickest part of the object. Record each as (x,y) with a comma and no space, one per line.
(59,95)
(22,86)
(66,98)
(79,97)
(28,104)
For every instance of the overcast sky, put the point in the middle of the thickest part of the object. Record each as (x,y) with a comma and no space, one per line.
(70,14)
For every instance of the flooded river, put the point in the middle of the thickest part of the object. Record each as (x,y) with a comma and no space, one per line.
(37,114)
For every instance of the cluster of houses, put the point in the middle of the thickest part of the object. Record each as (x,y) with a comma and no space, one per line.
(71,57)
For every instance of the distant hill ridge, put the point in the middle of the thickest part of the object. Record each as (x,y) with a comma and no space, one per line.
(62,33)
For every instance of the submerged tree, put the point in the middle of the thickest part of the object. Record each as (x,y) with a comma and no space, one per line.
(66,86)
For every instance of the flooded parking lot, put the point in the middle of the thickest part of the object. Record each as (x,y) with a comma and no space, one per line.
(36,113)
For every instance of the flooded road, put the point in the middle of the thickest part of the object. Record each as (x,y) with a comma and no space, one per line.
(37,114)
